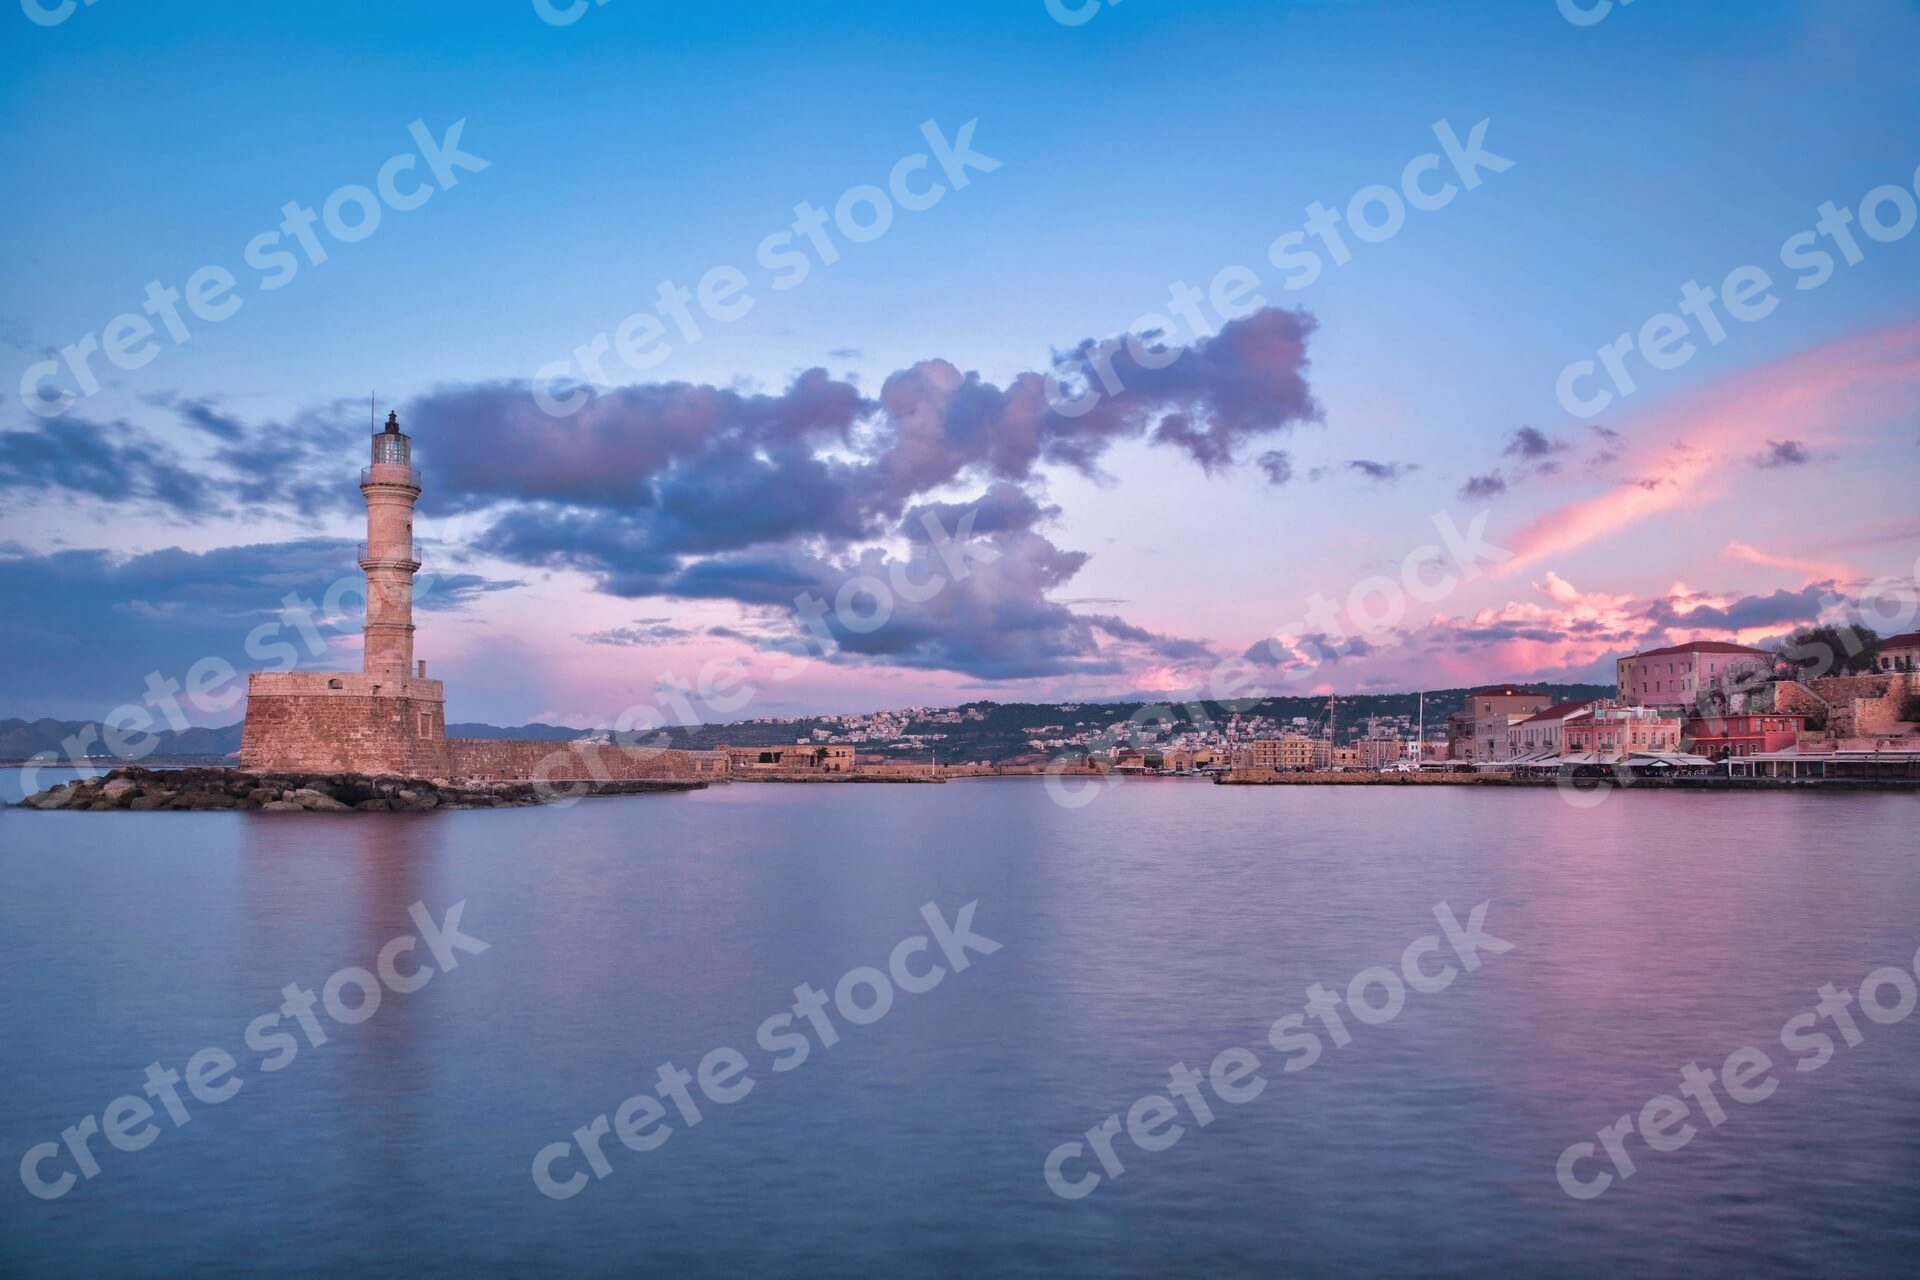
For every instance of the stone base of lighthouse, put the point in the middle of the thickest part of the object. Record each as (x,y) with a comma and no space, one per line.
(345,722)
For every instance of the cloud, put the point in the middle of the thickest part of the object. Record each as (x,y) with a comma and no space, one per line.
(1809,397)
(1813,569)
(693,491)
(1608,450)
(100,622)
(1782,453)
(998,622)
(667,470)
(644,633)
(1535,454)
(1747,613)
(112,462)
(1277,465)
(1529,444)
(201,414)
(1382,472)
(1563,633)
(1478,488)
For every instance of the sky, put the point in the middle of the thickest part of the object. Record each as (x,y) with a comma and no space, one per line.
(1267,496)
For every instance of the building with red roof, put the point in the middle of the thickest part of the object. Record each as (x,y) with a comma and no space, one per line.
(1680,674)
(1898,653)
(1541,736)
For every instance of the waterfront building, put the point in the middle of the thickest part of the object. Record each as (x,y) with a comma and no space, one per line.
(1743,734)
(1683,675)
(1291,753)
(815,756)
(1477,733)
(1605,735)
(1540,736)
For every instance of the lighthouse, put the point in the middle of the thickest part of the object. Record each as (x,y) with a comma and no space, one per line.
(391,486)
(387,718)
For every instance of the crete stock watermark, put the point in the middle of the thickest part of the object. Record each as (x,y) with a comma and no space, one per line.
(862,214)
(1664,1123)
(1585,15)
(862,604)
(45,15)
(127,339)
(721,685)
(212,1073)
(1663,342)
(639,1122)
(1886,605)
(1065,13)
(213,684)
(1374,214)
(1233,1074)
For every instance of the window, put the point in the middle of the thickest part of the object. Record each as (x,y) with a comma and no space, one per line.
(334,684)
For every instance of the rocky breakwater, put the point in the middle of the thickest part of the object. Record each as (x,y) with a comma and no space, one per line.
(203,789)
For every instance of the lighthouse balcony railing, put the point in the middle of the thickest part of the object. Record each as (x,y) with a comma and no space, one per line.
(412,478)
(410,555)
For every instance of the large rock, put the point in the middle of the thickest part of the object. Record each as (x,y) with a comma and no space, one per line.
(119,788)
(313,798)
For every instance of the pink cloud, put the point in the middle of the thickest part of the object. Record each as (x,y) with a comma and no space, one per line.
(1817,396)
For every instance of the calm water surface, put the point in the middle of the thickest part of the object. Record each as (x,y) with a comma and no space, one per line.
(1163,923)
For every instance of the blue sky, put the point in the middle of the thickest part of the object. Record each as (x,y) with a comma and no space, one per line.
(1155,142)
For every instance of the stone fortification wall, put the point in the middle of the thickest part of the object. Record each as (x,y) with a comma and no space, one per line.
(509,761)
(344,722)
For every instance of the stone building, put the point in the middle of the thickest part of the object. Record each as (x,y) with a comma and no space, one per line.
(1291,753)
(818,757)
(388,718)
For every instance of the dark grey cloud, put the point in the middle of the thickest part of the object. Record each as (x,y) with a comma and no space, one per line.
(1306,651)
(998,622)
(303,466)
(1776,609)
(1609,447)
(1500,632)
(1530,444)
(1377,472)
(202,414)
(698,469)
(1382,472)
(703,492)
(1782,453)
(1277,465)
(113,462)
(100,623)
(644,633)
(1479,488)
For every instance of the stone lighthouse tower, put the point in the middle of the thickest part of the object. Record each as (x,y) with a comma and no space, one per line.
(391,487)
(386,718)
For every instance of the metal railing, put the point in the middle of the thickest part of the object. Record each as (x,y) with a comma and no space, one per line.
(413,474)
